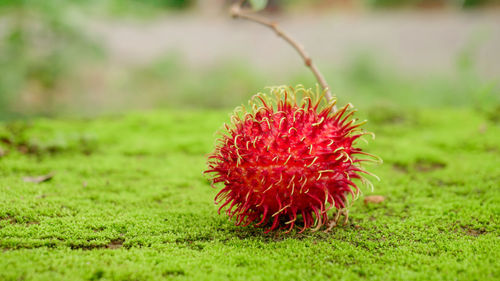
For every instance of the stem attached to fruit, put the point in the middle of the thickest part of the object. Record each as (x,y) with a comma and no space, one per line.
(238,12)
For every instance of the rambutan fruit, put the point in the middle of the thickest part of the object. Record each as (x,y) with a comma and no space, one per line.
(287,160)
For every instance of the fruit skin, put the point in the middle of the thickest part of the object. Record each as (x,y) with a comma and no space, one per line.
(288,156)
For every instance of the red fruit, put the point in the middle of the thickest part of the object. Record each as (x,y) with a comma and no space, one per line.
(286,158)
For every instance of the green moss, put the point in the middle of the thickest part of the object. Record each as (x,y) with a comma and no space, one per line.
(128,201)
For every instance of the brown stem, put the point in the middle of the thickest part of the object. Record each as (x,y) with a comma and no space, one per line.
(238,12)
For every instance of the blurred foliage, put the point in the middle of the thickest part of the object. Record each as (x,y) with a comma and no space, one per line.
(485,94)
(389,3)
(172,4)
(477,3)
(41,46)
(258,4)
(138,7)
(169,82)
(49,65)
(394,3)
(429,3)
(366,81)
(162,4)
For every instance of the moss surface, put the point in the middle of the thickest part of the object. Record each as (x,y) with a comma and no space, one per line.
(128,201)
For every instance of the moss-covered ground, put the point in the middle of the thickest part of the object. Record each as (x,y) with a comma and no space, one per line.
(127,200)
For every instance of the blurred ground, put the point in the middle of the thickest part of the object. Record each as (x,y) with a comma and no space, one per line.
(411,41)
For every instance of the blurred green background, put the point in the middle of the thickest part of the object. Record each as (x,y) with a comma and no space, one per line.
(85,58)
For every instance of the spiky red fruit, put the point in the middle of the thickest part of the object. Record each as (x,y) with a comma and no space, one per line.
(287,157)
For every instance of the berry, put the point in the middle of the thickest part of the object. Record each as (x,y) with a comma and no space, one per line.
(288,156)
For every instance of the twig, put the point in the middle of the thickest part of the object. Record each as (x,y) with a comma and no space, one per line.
(238,12)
